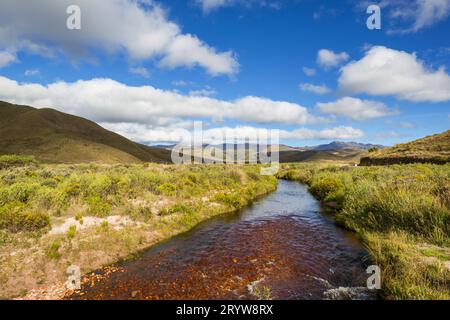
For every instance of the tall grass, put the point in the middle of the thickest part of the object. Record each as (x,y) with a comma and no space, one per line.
(397,210)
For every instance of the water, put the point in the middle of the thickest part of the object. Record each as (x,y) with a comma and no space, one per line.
(282,245)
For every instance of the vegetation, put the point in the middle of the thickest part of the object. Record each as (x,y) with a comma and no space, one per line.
(402,213)
(432,149)
(342,155)
(90,215)
(56,137)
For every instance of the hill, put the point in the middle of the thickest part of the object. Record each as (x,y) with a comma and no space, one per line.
(53,136)
(321,155)
(432,149)
(338,145)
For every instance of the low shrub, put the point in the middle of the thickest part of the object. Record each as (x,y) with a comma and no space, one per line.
(11,161)
(15,217)
(97,207)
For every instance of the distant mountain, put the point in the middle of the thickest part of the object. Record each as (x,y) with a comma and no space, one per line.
(337,145)
(53,136)
(432,149)
(334,151)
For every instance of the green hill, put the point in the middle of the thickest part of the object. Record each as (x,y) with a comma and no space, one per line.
(432,149)
(345,155)
(53,136)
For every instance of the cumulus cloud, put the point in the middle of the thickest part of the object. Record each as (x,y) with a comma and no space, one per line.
(321,89)
(6,58)
(329,59)
(383,71)
(147,114)
(146,134)
(356,109)
(140,28)
(106,100)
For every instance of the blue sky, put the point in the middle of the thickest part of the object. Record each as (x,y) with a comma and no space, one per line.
(147,69)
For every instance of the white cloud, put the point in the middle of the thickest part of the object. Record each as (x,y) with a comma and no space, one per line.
(211,5)
(140,28)
(147,114)
(356,109)
(383,71)
(328,59)
(106,100)
(322,89)
(146,134)
(181,83)
(140,71)
(416,14)
(6,58)
(32,73)
(310,72)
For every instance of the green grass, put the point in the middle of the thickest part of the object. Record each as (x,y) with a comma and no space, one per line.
(432,149)
(397,210)
(10,161)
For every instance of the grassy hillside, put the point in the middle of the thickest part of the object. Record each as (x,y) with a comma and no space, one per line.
(401,212)
(347,156)
(432,149)
(53,136)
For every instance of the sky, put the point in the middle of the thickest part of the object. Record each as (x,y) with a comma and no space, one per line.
(309,68)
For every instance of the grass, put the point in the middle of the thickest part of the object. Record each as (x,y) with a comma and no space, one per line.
(401,212)
(91,215)
(432,149)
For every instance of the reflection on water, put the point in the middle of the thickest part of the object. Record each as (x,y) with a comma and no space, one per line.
(282,242)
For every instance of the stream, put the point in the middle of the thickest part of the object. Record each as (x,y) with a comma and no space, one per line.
(281,247)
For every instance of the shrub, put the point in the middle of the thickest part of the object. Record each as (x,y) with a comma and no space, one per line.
(71,232)
(10,161)
(177,208)
(15,217)
(167,189)
(234,200)
(102,185)
(19,191)
(326,187)
(52,251)
(97,207)
(145,212)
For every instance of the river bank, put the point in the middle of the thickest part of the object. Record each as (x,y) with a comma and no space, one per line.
(400,212)
(56,216)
